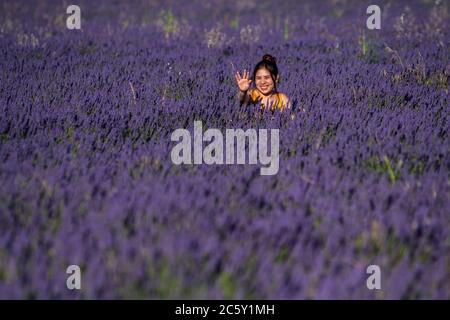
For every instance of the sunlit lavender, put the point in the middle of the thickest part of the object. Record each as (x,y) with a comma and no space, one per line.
(86,176)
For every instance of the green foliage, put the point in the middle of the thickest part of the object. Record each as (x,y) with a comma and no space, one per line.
(227,285)
(234,23)
(369,50)
(286,29)
(168,22)
(384,166)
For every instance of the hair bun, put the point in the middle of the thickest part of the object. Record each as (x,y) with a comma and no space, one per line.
(269,58)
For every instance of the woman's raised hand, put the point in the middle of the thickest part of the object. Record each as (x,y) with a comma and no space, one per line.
(243,82)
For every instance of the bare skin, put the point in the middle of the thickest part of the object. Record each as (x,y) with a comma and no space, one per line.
(264,86)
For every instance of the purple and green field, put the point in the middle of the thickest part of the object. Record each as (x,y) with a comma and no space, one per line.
(86,176)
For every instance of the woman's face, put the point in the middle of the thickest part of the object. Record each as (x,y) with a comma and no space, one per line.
(264,82)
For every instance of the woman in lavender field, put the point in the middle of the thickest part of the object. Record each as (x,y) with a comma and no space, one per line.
(266,94)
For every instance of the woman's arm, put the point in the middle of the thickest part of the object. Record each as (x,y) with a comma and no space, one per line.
(244,85)
(243,97)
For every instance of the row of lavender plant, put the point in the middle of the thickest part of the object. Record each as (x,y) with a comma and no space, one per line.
(86,175)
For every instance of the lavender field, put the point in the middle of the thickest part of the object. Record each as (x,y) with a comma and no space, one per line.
(86,176)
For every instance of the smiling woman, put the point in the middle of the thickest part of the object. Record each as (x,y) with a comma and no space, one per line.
(266,94)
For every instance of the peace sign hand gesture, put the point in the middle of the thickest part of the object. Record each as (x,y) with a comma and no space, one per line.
(244,82)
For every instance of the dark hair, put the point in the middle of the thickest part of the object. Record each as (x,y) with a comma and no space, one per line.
(270,63)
